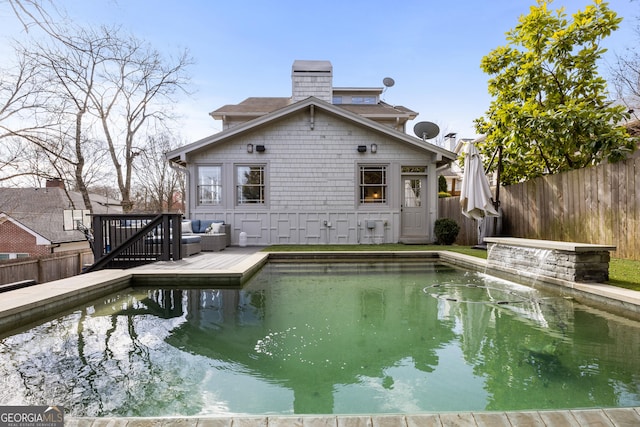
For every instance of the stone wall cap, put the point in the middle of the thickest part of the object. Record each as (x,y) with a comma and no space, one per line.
(549,244)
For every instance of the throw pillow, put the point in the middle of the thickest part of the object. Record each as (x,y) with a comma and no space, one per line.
(186,227)
(214,228)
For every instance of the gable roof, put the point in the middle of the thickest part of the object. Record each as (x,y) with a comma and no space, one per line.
(251,106)
(443,156)
(41,211)
(40,240)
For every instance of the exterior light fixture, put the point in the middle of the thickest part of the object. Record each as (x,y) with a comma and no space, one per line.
(249,148)
(260,148)
(374,148)
(362,148)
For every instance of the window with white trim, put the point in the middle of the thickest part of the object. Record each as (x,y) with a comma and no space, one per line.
(13,255)
(250,185)
(373,184)
(210,185)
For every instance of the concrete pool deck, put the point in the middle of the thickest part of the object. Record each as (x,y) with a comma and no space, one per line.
(20,307)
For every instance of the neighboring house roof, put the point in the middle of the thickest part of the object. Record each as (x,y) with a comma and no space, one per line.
(40,240)
(443,156)
(41,210)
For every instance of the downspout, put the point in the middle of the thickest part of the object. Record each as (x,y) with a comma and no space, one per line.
(181,169)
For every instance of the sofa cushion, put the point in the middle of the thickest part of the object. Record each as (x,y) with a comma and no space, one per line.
(190,238)
(187,228)
(215,228)
(186,238)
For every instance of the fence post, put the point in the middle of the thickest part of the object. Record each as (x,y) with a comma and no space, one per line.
(98,237)
(176,250)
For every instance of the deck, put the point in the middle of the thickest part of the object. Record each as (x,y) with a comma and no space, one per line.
(226,260)
(619,417)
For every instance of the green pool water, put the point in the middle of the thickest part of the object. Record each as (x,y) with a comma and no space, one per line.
(326,338)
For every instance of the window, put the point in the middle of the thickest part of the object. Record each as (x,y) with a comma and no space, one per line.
(373,184)
(250,185)
(210,185)
(363,100)
(4,256)
(337,100)
(417,170)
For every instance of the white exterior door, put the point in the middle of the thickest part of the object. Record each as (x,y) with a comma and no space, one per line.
(413,206)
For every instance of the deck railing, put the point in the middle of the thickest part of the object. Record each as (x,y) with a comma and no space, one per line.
(124,241)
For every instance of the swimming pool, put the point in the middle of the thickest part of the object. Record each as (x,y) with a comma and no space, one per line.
(327,338)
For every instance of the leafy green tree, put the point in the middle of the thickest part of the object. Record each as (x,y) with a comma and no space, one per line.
(550,111)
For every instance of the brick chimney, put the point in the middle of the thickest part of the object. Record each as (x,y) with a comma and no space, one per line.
(55,183)
(312,78)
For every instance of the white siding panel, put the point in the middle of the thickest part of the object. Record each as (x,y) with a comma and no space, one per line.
(312,177)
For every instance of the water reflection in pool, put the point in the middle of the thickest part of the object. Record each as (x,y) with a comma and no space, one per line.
(327,338)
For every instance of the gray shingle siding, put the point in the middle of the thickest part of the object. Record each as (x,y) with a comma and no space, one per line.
(312,177)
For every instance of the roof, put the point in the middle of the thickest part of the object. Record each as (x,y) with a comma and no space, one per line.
(258,106)
(41,210)
(443,156)
(379,110)
(251,106)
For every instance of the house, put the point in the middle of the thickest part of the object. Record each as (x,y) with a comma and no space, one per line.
(323,166)
(40,221)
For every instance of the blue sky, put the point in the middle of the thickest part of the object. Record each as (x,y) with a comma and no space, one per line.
(243,48)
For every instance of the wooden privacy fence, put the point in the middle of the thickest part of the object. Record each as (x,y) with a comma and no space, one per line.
(599,204)
(45,268)
(449,207)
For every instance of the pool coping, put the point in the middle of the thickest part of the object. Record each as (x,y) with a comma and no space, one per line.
(565,418)
(21,307)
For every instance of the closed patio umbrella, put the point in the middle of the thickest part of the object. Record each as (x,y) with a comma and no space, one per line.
(475,195)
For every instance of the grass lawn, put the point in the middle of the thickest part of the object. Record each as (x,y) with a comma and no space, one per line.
(622,272)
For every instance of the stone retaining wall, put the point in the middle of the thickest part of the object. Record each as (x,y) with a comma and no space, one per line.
(574,262)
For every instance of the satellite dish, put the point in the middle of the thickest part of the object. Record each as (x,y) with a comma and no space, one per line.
(388,81)
(426,130)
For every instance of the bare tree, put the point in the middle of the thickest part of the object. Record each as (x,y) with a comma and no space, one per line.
(626,76)
(160,188)
(100,86)
(20,99)
(32,13)
(136,94)
(70,71)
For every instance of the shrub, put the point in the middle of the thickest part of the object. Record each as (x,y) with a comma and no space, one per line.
(442,184)
(442,194)
(446,231)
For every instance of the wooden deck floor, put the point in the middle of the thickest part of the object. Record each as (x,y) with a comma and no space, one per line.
(618,417)
(227,259)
